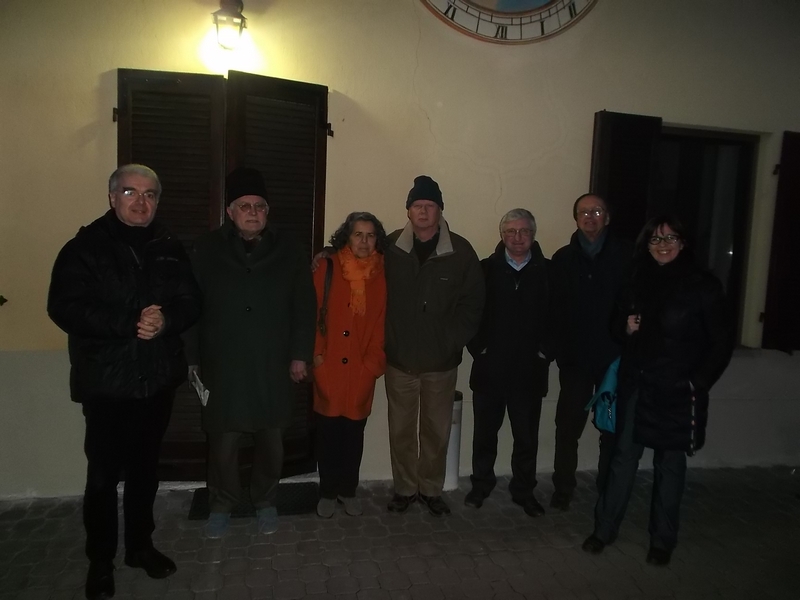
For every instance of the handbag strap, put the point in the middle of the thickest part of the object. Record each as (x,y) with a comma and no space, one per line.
(323,310)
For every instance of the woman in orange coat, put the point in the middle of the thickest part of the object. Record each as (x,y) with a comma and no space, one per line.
(348,356)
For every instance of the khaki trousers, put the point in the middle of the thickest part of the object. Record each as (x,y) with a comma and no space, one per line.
(420,415)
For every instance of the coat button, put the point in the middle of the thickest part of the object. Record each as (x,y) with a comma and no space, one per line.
(344,361)
(247,308)
(346,334)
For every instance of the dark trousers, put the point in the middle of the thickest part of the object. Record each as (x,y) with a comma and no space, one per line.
(122,437)
(224,483)
(340,446)
(669,477)
(577,388)
(489,410)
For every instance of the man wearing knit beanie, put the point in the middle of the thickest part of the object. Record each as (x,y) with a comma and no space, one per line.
(435,294)
(254,338)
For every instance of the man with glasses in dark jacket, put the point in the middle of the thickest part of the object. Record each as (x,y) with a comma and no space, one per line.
(585,278)
(510,368)
(123,291)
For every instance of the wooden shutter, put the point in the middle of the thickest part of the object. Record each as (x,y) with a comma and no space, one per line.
(781,320)
(623,154)
(280,128)
(174,123)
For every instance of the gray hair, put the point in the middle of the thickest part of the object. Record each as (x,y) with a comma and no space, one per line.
(133,169)
(519,213)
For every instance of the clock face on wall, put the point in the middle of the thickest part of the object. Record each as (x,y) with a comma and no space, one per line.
(510,21)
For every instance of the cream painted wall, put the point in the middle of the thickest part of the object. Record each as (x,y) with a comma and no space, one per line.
(498,127)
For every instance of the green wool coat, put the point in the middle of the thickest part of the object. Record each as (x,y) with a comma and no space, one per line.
(259,314)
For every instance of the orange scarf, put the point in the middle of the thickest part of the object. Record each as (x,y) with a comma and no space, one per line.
(357,271)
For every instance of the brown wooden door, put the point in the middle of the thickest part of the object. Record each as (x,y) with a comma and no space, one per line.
(280,128)
(781,321)
(176,124)
(623,156)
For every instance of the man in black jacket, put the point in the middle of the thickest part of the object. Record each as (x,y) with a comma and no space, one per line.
(585,278)
(123,291)
(510,367)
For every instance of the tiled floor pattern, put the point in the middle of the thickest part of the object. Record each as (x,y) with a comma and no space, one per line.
(740,539)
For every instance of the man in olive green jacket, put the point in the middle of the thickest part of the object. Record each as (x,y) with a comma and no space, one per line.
(254,339)
(435,294)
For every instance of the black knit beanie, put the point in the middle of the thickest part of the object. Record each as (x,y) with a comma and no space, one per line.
(244,182)
(425,188)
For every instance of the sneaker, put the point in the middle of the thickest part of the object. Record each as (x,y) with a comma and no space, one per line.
(326,507)
(352,506)
(267,520)
(400,503)
(217,525)
(436,506)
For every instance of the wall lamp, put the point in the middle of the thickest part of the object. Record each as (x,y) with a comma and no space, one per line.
(229,22)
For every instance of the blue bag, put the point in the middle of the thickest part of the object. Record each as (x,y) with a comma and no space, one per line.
(604,401)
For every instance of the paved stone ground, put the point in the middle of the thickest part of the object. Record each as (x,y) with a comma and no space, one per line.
(740,539)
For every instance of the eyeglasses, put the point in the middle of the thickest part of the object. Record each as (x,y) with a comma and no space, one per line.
(670,239)
(132,194)
(513,232)
(592,212)
(247,207)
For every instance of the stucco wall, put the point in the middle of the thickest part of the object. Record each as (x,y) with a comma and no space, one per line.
(497,126)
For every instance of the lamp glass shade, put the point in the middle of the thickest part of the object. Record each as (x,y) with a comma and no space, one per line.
(229,29)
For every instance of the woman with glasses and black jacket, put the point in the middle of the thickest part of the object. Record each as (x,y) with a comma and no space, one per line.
(677,343)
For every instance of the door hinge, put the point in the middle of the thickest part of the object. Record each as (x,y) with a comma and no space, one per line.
(329,129)
(777,169)
(761,317)
(115,114)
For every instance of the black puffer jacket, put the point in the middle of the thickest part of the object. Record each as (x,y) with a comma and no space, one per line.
(583,292)
(102,279)
(512,331)
(683,338)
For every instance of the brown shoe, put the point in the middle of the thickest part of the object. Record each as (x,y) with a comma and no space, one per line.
(436,506)
(400,503)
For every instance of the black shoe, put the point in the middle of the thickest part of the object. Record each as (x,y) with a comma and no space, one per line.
(658,557)
(561,500)
(474,498)
(400,503)
(100,580)
(436,506)
(593,545)
(155,564)
(531,506)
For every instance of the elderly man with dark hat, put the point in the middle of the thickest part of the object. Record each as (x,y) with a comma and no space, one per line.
(435,295)
(253,340)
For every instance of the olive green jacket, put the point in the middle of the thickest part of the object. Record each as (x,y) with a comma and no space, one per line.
(433,309)
(259,314)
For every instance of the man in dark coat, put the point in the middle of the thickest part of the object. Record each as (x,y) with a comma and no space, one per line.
(510,367)
(123,291)
(435,295)
(585,278)
(254,339)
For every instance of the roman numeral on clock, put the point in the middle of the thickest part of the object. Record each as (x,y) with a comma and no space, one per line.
(450,12)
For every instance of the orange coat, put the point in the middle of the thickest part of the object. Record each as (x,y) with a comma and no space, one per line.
(352,351)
